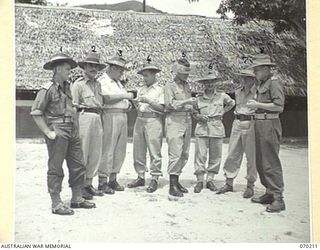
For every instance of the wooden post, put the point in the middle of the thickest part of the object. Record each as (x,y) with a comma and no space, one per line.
(144,6)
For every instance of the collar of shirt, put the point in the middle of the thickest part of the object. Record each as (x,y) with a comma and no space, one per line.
(253,89)
(87,80)
(206,97)
(179,81)
(152,86)
(264,84)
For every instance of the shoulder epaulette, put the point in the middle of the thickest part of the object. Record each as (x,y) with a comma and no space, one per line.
(47,85)
(79,79)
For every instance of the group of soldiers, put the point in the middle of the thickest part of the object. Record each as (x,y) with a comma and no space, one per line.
(85,123)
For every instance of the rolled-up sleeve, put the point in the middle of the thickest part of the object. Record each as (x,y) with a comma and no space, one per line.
(170,101)
(228,101)
(40,103)
(276,93)
(161,97)
(75,89)
(168,96)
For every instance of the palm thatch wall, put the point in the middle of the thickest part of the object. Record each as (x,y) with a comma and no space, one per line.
(41,31)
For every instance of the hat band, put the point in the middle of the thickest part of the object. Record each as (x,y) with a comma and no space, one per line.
(181,68)
(93,60)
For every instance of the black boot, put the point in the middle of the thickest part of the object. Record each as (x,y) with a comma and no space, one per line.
(182,188)
(174,189)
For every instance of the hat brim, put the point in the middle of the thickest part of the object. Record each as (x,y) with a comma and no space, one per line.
(151,68)
(51,64)
(101,66)
(261,64)
(117,64)
(209,80)
(242,74)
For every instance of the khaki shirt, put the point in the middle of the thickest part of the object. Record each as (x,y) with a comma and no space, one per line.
(54,100)
(86,93)
(174,93)
(155,92)
(242,97)
(111,87)
(270,91)
(213,107)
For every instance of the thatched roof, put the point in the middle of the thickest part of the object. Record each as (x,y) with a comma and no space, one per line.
(41,31)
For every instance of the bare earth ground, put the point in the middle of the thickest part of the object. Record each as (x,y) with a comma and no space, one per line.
(136,216)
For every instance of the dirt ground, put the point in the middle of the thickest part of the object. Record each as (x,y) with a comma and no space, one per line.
(137,216)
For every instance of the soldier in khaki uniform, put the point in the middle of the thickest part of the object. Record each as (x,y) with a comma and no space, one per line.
(242,138)
(148,129)
(54,114)
(179,106)
(210,131)
(115,128)
(88,101)
(269,103)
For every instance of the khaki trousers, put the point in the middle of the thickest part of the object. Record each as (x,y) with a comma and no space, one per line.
(268,135)
(90,130)
(147,135)
(204,145)
(242,140)
(115,133)
(178,134)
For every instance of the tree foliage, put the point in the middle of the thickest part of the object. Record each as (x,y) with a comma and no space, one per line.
(285,14)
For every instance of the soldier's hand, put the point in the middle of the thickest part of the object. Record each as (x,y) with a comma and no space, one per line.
(192,101)
(252,104)
(51,135)
(144,99)
(129,96)
(202,118)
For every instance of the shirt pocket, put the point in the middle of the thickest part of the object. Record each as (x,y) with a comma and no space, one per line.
(264,96)
(179,95)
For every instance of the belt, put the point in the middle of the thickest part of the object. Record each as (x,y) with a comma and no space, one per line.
(89,110)
(66,119)
(180,113)
(243,117)
(116,110)
(217,117)
(148,115)
(266,116)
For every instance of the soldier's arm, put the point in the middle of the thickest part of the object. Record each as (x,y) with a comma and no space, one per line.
(111,99)
(277,96)
(228,103)
(170,101)
(37,110)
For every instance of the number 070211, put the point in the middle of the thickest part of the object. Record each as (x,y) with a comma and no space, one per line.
(306,245)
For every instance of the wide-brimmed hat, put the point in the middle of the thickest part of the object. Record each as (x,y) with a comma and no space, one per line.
(118,61)
(181,66)
(149,66)
(245,72)
(261,60)
(209,79)
(92,58)
(59,58)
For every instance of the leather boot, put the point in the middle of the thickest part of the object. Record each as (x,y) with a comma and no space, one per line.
(276,206)
(182,188)
(264,199)
(226,188)
(153,186)
(248,193)
(174,189)
(198,187)
(139,182)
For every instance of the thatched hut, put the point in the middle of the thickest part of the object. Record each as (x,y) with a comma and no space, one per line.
(41,31)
